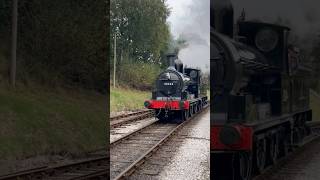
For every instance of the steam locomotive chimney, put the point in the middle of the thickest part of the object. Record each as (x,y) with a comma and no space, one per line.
(170,59)
(221,17)
(179,65)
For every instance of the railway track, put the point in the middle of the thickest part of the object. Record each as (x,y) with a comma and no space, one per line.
(95,168)
(117,121)
(297,165)
(129,152)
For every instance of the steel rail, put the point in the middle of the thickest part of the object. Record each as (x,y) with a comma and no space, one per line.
(129,170)
(131,134)
(130,114)
(47,171)
(131,118)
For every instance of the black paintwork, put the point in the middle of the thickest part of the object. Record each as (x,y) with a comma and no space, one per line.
(248,84)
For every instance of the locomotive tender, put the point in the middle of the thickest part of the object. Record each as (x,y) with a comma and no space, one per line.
(177,92)
(260,96)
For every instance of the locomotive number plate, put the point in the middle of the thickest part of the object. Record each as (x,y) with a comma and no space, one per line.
(168,84)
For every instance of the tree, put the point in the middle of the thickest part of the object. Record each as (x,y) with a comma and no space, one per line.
(143,38)
(142,26)
(59,42)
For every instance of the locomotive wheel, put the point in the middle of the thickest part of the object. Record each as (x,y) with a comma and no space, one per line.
(274,149)
(285,143)
(307,128)
(260,155)
(182,116)
(178,117)
(297,137)
(186,114)
(285,147)
(245,166)
(301,133)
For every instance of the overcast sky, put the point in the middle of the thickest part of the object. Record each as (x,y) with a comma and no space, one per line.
(191,19)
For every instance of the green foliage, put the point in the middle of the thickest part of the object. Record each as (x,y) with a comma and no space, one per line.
(60,42)
(141,28)
(142,40)
(138,75)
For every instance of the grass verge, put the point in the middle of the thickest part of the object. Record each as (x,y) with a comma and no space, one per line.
(37,121)
(122,99)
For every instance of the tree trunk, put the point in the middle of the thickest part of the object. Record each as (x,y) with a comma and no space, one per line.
(14,43)
(114,61)
(119,65)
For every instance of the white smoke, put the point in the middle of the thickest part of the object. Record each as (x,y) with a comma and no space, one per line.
(190,19)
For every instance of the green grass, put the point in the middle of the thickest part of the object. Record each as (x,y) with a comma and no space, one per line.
(315,106)
(127,99)
(36,121)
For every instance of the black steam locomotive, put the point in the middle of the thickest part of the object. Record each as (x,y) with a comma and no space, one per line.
(260,95)
(177,92)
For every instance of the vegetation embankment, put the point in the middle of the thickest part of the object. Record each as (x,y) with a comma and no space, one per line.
(138,75)
(40,121)
(59,103)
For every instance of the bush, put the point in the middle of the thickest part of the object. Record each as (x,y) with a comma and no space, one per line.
(139,75)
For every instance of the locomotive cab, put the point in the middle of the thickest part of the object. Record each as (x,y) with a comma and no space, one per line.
(269,39)
(194,75)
